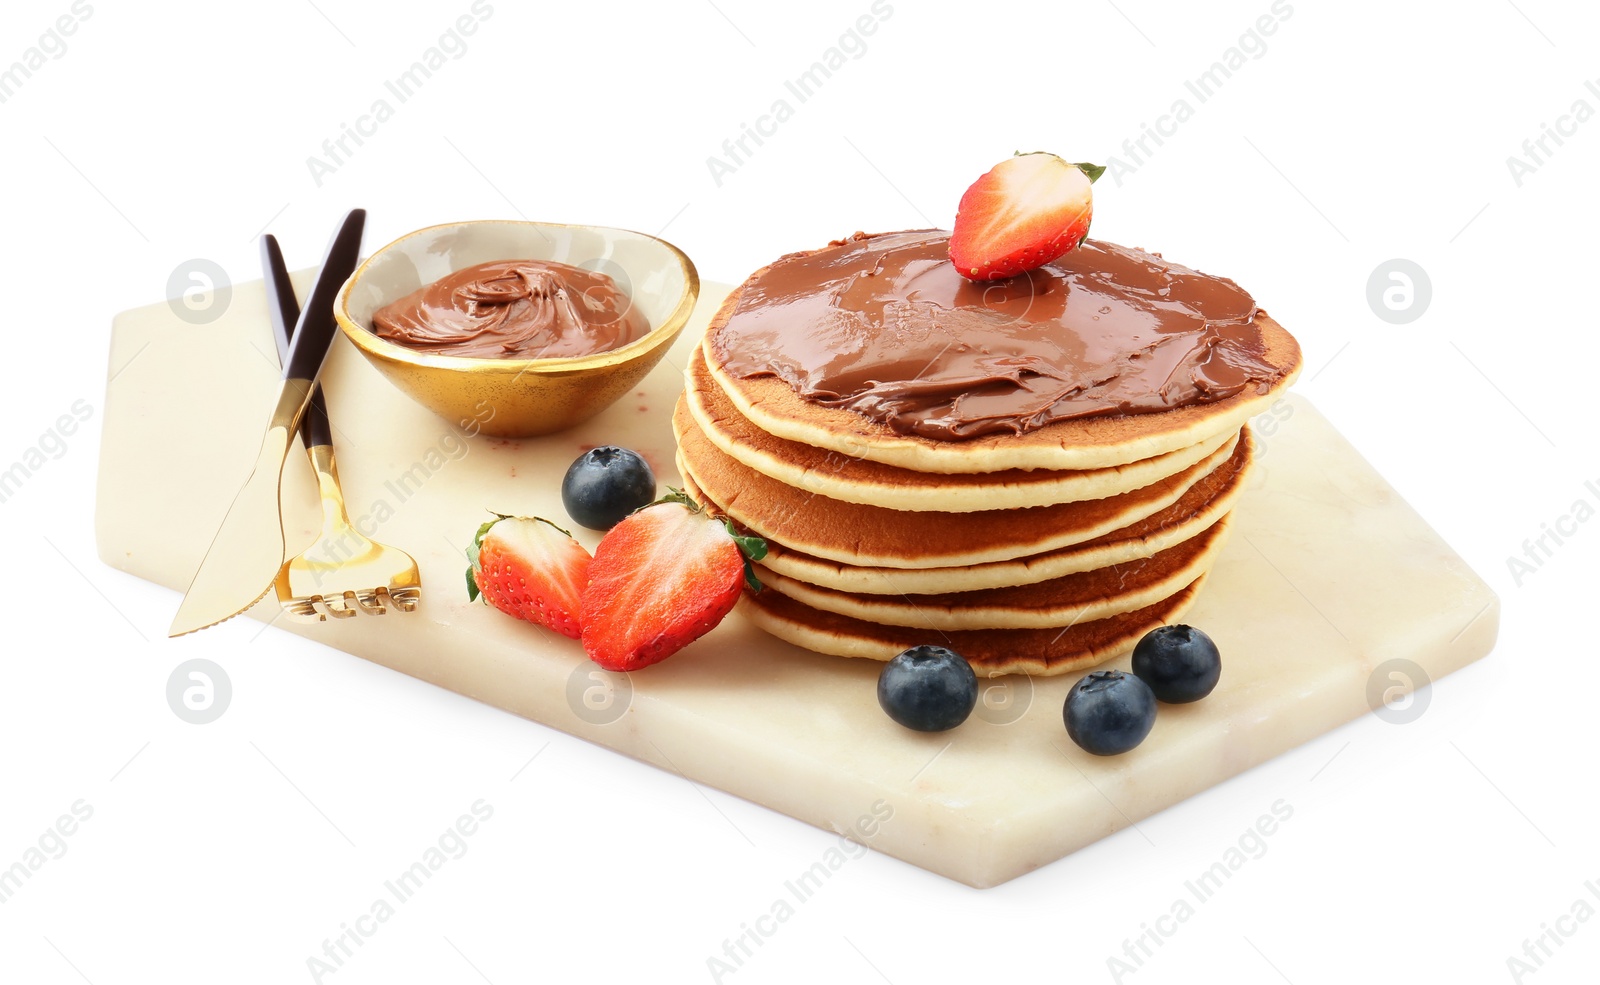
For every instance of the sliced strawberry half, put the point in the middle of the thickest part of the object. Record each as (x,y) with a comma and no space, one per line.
(530,568)
(661,579)
(1026,211)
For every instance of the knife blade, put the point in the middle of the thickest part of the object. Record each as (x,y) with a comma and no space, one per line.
(247,551)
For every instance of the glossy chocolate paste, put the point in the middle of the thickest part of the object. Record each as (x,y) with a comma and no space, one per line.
(514,309)
(885,326)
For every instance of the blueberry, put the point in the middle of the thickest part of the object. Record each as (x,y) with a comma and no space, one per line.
(1109,712)
(1180,663)
(606,484)
(928,688)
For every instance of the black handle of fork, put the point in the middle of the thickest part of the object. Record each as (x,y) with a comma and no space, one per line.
(314,332)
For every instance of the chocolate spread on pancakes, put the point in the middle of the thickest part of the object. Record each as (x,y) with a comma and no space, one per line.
(514,309)
(885,326)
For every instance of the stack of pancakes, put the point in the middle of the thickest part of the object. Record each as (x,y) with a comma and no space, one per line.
(1037,552)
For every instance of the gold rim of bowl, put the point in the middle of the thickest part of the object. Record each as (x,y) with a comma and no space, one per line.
(364,338)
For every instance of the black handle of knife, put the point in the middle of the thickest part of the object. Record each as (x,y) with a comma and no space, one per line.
(313,333)
(284,312)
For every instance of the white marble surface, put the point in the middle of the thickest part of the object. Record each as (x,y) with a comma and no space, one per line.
(1328,575)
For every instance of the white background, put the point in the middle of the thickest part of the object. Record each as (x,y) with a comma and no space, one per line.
(1366,131)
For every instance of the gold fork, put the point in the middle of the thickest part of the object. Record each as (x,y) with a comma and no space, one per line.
(344,572)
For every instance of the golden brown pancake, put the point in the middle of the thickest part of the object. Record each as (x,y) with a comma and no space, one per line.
(856,479)
(1206,502)
(1087,443)
(1045,652)
(872,536)
(1057,602)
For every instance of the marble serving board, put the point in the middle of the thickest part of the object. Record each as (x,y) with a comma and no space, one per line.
(1327,577)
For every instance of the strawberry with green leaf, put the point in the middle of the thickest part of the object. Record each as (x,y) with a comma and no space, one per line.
(661,579)
(1026,211)
(530,568)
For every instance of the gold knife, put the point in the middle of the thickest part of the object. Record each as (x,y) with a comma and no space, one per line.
(248,549)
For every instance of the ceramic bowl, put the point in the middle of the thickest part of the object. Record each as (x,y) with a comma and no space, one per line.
(517,398)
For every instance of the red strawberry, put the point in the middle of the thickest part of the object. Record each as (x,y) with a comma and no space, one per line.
(529,568)
(661,579)
(1028,210)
